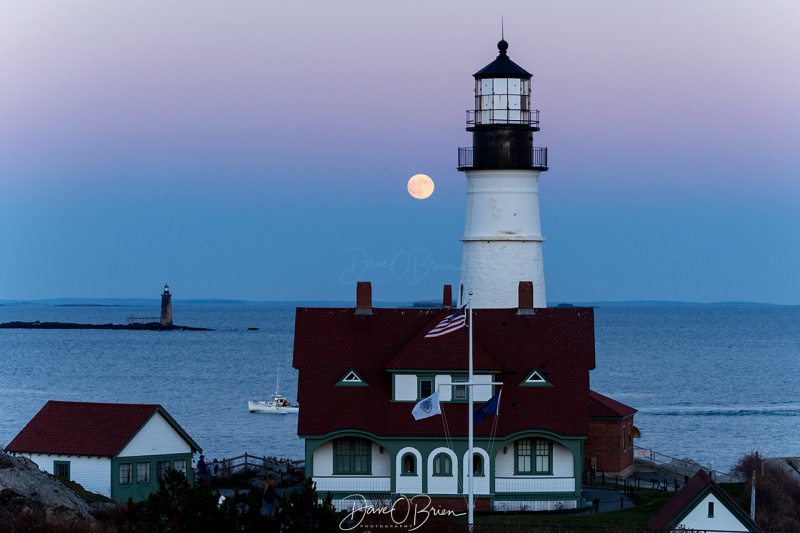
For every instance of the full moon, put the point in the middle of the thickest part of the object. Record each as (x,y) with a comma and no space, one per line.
(420,186)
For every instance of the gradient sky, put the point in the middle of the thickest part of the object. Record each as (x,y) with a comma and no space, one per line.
(260,150)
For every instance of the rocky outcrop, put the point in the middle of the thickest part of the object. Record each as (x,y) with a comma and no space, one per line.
(151,326)
(33,496)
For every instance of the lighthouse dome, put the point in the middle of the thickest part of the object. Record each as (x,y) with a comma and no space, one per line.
(502,67)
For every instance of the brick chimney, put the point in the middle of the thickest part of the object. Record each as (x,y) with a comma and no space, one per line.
(363,298)
(525,298)
(447,296)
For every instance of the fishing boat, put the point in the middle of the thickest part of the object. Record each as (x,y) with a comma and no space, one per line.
(277,405)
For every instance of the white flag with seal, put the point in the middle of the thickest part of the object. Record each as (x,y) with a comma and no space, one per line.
(427,407)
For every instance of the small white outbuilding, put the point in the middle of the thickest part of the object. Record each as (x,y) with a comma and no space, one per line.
(702,505)
(118,450)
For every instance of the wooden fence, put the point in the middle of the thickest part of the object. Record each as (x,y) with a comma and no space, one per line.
(281,469)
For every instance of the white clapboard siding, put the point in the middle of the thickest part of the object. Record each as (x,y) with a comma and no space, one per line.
(723,519)
(353,484)
(504,462)
(534,484)
(533,505)
(157,437)
(481,393)
(93,473)
(405,388)
(563,461)
(357,502)
(323,460)
(408,484)
(444,388)
(443,484)
(381,461)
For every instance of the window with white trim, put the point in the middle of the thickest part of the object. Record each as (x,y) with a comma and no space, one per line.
(442,465)
(409,463)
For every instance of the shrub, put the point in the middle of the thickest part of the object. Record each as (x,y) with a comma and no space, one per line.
(777,493)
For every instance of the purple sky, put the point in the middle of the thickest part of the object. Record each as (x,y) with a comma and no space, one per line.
(260,150)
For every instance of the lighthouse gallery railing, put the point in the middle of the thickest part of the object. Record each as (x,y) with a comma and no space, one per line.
(536,159)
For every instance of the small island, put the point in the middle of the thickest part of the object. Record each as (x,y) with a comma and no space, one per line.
(136,326)
(162,323)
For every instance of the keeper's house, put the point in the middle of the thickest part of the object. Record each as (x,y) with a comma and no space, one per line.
(363,369)
(118,450)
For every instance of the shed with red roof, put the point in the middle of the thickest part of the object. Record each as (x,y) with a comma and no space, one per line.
(702,505)
(118,450)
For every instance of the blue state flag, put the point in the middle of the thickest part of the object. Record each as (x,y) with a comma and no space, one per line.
(492,406)
(427,407)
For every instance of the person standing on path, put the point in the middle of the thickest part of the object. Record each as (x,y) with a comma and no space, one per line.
(270,495)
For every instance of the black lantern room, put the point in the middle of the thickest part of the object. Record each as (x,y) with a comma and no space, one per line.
(502,123)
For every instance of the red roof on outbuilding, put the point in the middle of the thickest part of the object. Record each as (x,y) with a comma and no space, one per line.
(676,509)
(558,342)
(604,407)
(85,428)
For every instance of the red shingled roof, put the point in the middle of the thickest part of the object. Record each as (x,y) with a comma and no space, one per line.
(604,407)
(684,501)
(559,342)
(447,352)
(85,428)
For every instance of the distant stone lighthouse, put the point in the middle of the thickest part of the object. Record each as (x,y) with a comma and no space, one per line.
(502,241)
(166,307)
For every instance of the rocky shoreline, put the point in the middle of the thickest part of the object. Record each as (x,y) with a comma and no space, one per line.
(26,491)
(153,326)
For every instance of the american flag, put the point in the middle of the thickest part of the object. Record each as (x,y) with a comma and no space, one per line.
(450,323)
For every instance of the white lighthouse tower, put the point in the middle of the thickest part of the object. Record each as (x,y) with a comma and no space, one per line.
(502,233)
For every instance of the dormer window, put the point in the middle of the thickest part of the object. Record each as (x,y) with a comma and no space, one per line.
(351,377)
(425,387)
(459,391)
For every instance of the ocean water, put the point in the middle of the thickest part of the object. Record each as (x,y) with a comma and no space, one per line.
(710,384)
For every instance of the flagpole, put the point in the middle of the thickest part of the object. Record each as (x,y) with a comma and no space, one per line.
(470,459)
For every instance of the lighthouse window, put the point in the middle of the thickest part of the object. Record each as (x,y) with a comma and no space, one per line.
(486,87)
